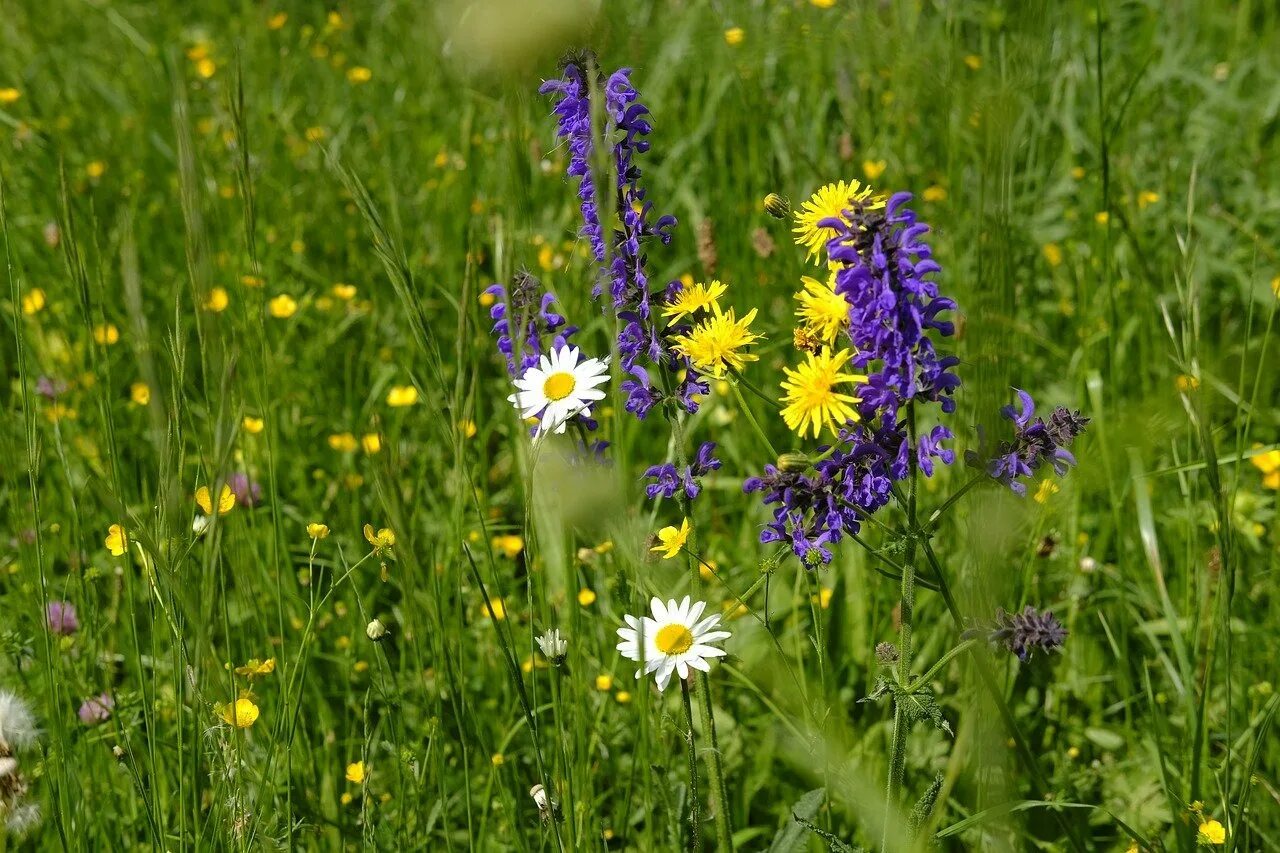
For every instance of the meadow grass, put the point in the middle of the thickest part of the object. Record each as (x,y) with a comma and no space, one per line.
(248,238)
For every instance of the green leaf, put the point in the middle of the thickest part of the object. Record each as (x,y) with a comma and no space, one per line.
(918,706)
(793,834)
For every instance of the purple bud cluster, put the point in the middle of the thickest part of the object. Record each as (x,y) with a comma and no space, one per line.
(1023,633)
(523,319)
(668,480)
(1035,442)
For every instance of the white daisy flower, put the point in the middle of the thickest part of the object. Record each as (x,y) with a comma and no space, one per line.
(553,645)
(559,387)
(673,641)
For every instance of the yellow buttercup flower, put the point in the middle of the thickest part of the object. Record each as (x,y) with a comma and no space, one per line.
(33,301)
(496,608)
(468,428)
(1269,464)
(218,300)
(1052,253)
(823,312)
(95,169)
(734,36)
(252,425)
(973,61)
(829,202)
(509,545)
(811,399)
(106,334)
(316,530)
(371,442)
(8,95)
(359,74)
(282,306)
(873,168)
(241,713)
(343,442)
(402,395)
(140,393)
(257,668)
(604,682)
(277,20)
(716,343)
(1212,832)
(586,597)
(382,540)
(672,539)
(356,773)
(1147,198)
(345,292)
(934,193)
(226,500)
(691,300)
(117,540)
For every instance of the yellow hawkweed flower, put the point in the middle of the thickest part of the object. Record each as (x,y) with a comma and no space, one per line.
(1047,489)
(402,395)
(604,682)
(356,773)
(316,530)
(714,344)
(1102,217)
(823,4)
(117,540)
(359,74)
(252,425)
(371,442)
(1212,832)
(1185,382)
(623,698)
(343,442)
(226,500)
(873,168)
(1147,198)
(241,713)
(106,334)
(33,301)
(96,169)
(934,193)
(691,300)
(345,292)
(282,306)
(734,36)
(586,597)
(509,545)
(140,393)
(811,399)
(382,540)
(1269,464)
(672,540)
(822,312)
(346,799)
(255,668)
(218,300)
(829,202)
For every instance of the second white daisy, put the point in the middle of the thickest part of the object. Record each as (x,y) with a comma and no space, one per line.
(673,641)
(560,386)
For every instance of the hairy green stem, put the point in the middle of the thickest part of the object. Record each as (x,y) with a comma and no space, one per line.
(695,800)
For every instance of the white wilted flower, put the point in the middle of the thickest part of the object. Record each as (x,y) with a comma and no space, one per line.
(17,724)
(553,645)
(17,732)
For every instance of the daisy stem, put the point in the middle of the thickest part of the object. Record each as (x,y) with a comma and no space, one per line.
(898,751)
(746,410)
(695,801)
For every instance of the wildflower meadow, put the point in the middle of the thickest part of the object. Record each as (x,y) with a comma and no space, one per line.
(760,425)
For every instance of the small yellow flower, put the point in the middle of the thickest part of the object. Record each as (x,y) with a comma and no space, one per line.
(226,500)
(356,773)
(1047,489)
(371,442)
(96,169)
(359,74)
(623,697)
(241,713)
(106,334)
(509,545)
(282,306)
(1078,173)
(810,396)
(117,540)
(252,280)
(1212,832)
(973,61)
(1146,198)
(604,682)
(277,21)
(382,541)
(252,425)
(496,609)
(824,596)
(346,799)
(343,442)
(734,36)
(497,760)
(715,344)
(672,540)
(691,300)
(1102,217)
(487,299)
(8,95)
(218,300)
(468,428)
(873,168)
(934,193)
(1269,464)
(317,530)
(586,597)
(255,668)
(1052,254)
(345,292)
(1184,382)
(206,67)
(402,395)
(33,301)
(140,393)
(823,4)
(829,202)
(823,313)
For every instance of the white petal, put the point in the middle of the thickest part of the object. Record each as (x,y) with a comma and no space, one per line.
(682,667)
(659,609)
(696,611)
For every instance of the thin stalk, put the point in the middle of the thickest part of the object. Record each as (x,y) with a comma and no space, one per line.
(695,800)
(746,410)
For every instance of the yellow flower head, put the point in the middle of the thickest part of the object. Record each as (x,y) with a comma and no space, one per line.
(1212,832)
(316,530)
(811,399)
(382,541)
(252,425)
(8,95)
(282,306)
(716,343)
(343,442)
(604,681)
(33,301)
(734,36)
(496,608)
(277,20)
(822,312)
(106,334)
(1047,489)
(356,773)
(140,393)
(345,292)
(226,500)
(830,202)
(218,300)
(402,395)
(873,168)
(671,540)
(691,300)
(934,193)
(1266,462)
(359,74)
(241,713)
(1052,254)
(257,668)
(117,540)
(371,442)
(509,545)
(586,597)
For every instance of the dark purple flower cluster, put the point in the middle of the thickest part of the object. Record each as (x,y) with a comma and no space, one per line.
(884,272)
(668,479)
(1023,633)
(523,319)
(1035,442)
(642,343)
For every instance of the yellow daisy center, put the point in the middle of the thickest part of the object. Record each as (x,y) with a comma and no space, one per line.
(558,386)
(674,639)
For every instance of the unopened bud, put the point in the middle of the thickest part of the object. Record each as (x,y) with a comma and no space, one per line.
(539,795)
(887,653)
(376,631)
(118,752)
(793,462)
(777,206)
